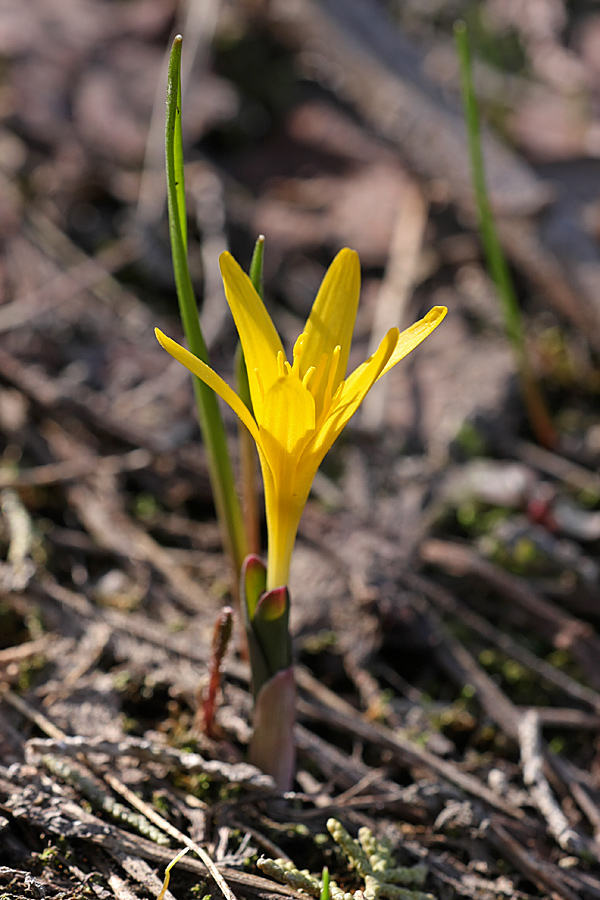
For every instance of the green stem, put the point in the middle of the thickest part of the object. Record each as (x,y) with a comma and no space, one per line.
(536,408)
(211,424)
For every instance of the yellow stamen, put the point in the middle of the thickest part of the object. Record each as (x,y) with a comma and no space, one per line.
(308,376)
(320,371)
(335,361)
(281,361)
(297,353)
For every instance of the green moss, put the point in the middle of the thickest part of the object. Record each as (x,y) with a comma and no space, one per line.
(514,672)
(589,498)
(470,440)
(559,658)
(466,514)
(49,854)
(160,803)
(145,507)
(557,744)
(325,639)
(488,657)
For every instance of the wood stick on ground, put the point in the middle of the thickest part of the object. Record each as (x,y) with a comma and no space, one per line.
(450,604)
(40,813)
(83,273)
(99,506)
(565,470)
(546,877)
(73,469)
(532,761)
(342,715)
(566,631)
(130,796)
(345,771)
(577,783)
(354,47)
(493,699)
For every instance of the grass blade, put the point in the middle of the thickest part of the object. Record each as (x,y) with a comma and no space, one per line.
(539,417)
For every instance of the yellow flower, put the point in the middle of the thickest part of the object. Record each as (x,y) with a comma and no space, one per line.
(299,409)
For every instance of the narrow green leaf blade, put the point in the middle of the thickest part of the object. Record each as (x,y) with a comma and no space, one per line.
(493,250)
(256,266)
(175,177)
(209,415)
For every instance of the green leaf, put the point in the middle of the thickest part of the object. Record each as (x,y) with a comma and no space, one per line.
(273,605)
(174,128)
(266,617)
(270,625)
(493,250)
(253,583)
(211,423)
(325,884)
(537,411)
(256,266)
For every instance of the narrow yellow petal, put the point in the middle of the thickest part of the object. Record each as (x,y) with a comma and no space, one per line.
(331,321)
(413,336)
(351,395)
(210,378)
(287,424)
(259,338)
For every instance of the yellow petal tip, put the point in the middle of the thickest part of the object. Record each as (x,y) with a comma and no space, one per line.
(436,314)
(227,261)
(348,258)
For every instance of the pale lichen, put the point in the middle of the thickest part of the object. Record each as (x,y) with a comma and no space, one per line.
(370,857)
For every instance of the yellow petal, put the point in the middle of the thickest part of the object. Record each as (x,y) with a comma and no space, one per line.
(259,338)
(287,427)
(413,336)
(331,321)
(287,424)
(353,392)
(210,378)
